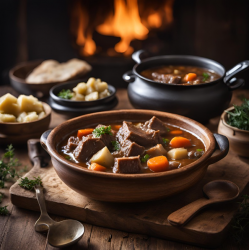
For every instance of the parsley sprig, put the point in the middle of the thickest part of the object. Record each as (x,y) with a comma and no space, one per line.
(115,145)
(205,76)
(28,184)
(65,94)
(145,158)
(4,210)
(101,131)
(239,117)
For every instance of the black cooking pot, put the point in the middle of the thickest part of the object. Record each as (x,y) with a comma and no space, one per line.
(199,102)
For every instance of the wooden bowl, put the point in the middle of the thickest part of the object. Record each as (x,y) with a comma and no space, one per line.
(26,128)
(131,187)
(238,138)
(19,73)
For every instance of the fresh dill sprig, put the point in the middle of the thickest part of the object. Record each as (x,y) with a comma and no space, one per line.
(28,184)
(101,131)
(205,76)
(65,94)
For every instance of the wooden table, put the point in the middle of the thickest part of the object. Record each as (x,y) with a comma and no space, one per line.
(17,229)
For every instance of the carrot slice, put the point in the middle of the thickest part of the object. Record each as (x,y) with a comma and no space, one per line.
(116,127)
(176,132)
(97,167)
(190,77)
(158,163)
(84,132)
(179,142)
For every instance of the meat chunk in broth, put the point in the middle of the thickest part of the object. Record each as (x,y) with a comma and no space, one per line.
(127,165)
(156,124)
(87,147)
(166,78)
(72,143)
(157,150)
(129,148)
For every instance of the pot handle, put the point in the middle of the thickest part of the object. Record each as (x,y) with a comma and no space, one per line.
(43,139)
(139,55)
(230,80)
(129,76)
(222,144)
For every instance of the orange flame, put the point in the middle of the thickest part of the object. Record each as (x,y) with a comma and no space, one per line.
(125,23)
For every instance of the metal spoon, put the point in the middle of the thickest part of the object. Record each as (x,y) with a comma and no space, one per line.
(60,234)
(216,191)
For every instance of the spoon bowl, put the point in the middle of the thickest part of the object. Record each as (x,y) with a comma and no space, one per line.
(65,233)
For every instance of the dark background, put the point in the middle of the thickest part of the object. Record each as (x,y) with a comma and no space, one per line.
(32,29)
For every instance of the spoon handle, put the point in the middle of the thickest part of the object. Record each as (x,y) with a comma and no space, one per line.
(184,214)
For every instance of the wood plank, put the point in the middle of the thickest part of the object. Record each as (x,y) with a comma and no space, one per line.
(207,229)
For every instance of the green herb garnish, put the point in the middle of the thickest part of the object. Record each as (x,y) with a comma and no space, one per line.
(67,157)
(7,166)
(205,76)
(240,223)
(101,131)
(199,150)
(115,145)
(167,129)
(65,94)
(165,140)
(4,210)
(26,183)
(145,158)
(239,118)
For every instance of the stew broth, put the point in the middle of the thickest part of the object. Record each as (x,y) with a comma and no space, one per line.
(194,150)
(184,75)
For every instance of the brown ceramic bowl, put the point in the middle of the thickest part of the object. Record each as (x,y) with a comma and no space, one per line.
(26,128)
(19,73)
(238,138)
(131,187)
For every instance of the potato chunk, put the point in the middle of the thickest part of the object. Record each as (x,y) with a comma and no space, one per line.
(101,86)
(8,104)
(103,157)
(41,115)
(92,97)
(29,104)
(91,83)
(178,153)
(103,94)
(7,118)
(21,117)
(80,88)
(31,116)
(78,97)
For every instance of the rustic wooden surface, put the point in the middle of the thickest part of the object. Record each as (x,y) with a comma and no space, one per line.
(17,229)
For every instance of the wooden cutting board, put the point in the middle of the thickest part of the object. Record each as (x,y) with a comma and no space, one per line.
(207,229)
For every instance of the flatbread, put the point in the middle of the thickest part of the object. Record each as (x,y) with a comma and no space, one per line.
(53,71)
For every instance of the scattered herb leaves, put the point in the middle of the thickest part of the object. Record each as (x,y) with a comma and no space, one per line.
(239,117)
(145,158)
(205,76)
(165,140)
(28,184)
(115,145)
(4,210)
(240,224)
(65,94)
(67,157)
(199,150)
(7,166)
(101,131)
(167,129)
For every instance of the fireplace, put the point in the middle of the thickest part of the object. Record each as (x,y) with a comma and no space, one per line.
(105,33)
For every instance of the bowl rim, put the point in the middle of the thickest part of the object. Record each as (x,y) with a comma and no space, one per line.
(210,61)
(223,119)
(57,98)
(209,151)
(45,106)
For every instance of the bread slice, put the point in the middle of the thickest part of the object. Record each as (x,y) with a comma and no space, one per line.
(53,71)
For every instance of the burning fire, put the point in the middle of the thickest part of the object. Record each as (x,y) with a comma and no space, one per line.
(125,23)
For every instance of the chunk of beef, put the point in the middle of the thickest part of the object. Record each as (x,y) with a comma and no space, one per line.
(129,148)
(127,165)
(146,138)
(106,138)
(157,150)
(167,78)
(87,147)
(156,124)
(72,143)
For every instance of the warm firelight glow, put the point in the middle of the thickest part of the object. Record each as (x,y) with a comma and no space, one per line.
(125,23)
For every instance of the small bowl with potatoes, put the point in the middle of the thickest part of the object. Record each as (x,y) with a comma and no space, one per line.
(77,94)
(23,115)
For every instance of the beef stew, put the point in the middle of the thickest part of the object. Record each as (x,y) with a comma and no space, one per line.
(184,75)
(142,147)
